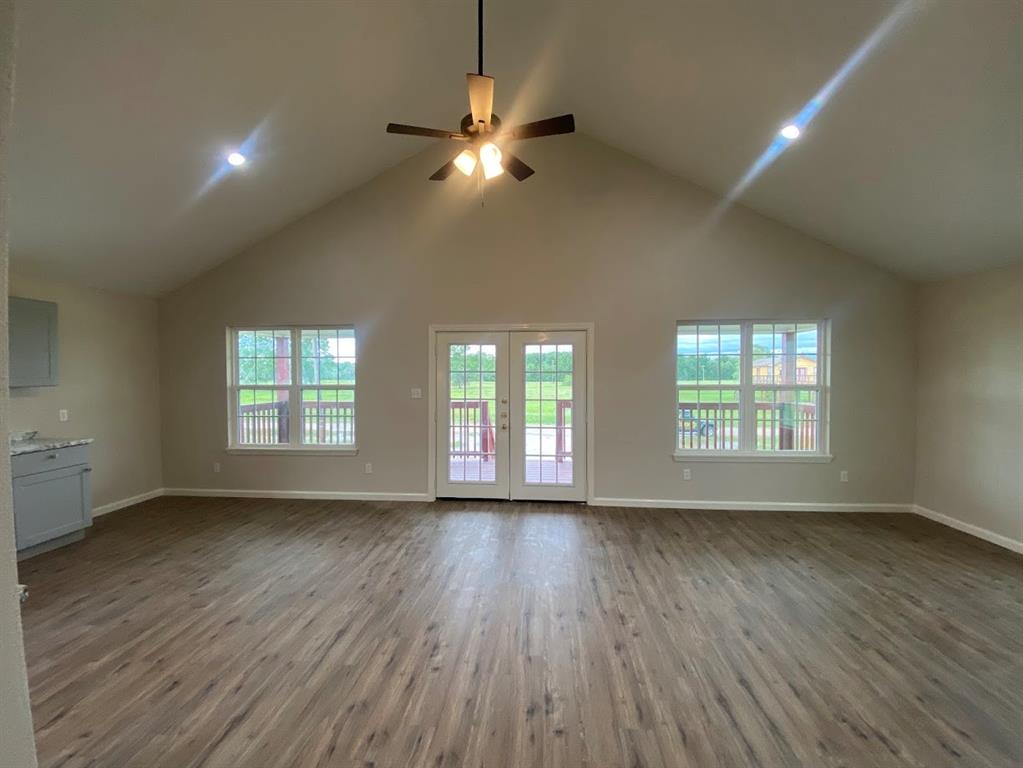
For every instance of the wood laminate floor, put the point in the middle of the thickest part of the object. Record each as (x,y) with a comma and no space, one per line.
(253,633)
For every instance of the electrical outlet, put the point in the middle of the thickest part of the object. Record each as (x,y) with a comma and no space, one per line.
(369,467)
(63,414)
(687,474)
(843,476)
(417,393)
(216,466)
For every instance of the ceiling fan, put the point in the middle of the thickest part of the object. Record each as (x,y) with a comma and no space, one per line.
(481,129)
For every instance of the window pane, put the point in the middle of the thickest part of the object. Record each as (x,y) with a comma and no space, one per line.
(806,369)
(731,348)
(805,421)
(246,344)
(708,419)
(766,421)
(328,417)
(346,342)
(786,420)
(708,369)
(310,370)
(708,340)
(763,339)
(282,344)
(264,371)
(328,356)
(247,370)
(686,369)
(264,343)
(346,370)
(310,343)
(262,417)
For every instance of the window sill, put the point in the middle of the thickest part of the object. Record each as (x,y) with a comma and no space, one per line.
(737,457)
(276,450)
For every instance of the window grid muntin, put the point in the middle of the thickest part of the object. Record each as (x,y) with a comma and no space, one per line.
(289,393)
(747,389)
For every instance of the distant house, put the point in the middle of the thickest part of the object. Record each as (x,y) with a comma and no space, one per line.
(768,370)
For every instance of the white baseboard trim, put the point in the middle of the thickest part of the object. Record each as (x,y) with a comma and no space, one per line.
(322,495)
(753,506)
(113,506)
(973,530)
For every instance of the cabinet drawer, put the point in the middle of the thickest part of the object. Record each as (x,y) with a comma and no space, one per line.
(50,504)
(44,461)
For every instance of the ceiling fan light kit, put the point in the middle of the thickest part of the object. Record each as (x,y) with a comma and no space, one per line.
(487,154)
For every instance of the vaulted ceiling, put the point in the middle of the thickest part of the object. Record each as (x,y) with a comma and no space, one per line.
(124,111)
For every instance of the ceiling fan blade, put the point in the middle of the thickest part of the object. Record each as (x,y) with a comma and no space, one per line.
(444,171)
(415,130)
(515,167)
(552,126)
(481,98)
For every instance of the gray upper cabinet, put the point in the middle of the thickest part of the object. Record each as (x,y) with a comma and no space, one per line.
(33,343)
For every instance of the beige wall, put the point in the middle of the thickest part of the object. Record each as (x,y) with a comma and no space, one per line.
(17,745)
(595,236)
(970,401)
(109,382)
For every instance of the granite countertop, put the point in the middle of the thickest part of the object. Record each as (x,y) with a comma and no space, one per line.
(29,442)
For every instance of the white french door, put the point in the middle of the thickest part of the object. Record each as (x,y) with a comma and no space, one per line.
(548,418)
(472,415)
(511,415)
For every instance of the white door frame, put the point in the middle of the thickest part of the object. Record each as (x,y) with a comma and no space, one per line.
(588,328)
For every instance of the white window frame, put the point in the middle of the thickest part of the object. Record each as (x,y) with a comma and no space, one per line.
(294,444)
(747,451)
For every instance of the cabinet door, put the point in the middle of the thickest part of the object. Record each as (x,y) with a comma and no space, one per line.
(33,342)
(50,504)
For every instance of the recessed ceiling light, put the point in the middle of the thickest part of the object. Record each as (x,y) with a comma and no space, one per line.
(790,131)
(236,159)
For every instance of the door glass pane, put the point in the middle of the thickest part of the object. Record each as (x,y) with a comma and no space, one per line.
(548,414)
(472,413)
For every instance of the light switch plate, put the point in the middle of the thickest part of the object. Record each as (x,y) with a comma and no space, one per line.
(417,393)
(62,414)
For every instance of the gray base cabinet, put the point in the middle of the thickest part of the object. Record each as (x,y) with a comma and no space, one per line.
(52,495)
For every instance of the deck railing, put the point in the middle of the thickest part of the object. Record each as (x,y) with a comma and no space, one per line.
(779,426)
(323,423)
(263,423)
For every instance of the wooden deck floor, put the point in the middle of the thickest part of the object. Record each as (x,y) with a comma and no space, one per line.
(257,633)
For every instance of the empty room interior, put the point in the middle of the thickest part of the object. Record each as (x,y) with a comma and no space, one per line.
(511,384)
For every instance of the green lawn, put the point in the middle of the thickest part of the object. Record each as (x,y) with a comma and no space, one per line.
(541,410)
(253,396)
